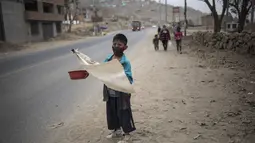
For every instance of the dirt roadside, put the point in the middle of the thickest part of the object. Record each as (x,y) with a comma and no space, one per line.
(40,46)
(12,49)
(179,99)
(182,98)
(80,33)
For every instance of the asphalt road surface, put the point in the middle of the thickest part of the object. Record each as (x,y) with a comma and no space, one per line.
(36,92)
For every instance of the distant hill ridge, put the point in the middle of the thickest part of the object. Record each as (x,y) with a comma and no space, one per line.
(145,10)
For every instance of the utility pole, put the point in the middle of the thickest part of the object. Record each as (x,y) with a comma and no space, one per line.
(94,23)
(185,18)
(166,10)
(226,19)
(160,12)
(252,11)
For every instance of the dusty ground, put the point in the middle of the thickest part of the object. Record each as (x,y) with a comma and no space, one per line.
(79,32)
(7,49)
(188,98)
(60,40)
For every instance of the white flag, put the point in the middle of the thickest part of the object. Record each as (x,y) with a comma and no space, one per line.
(111,73)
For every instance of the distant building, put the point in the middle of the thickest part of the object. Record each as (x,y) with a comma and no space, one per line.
(232,26)
(30,20)
(208,21)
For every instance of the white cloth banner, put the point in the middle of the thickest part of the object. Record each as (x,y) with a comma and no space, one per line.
(111,73)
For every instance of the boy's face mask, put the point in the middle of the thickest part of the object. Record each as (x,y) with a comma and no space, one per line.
(117,51)
(118,48)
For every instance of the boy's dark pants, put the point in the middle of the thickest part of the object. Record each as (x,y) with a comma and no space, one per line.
(156,45)
(179,45)
(119,118)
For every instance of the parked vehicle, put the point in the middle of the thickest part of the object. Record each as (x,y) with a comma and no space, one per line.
(136,25)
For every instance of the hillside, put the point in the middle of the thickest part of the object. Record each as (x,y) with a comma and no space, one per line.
(144,10)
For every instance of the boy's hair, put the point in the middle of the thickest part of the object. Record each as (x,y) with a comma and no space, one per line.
(120,37)
(156,35)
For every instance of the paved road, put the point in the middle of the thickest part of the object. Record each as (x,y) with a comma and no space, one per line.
(36,92)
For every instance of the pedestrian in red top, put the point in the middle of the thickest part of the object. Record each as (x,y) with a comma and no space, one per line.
(178,38)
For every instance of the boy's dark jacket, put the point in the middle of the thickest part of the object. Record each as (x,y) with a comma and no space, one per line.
(156,41)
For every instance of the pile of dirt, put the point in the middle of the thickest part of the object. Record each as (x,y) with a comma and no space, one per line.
(78,32)
(65,37)
(216,56)
(243,43)
(83,32)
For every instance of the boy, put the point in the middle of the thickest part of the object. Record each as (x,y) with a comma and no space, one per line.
(165,37)
(118,108)
(155,42)
(178,38)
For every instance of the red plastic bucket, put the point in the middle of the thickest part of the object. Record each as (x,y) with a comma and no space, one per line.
(79,74)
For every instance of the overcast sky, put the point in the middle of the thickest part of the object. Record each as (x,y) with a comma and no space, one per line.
(196,4)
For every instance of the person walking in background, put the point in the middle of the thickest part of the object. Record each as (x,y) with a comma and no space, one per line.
(159,29)
(178,38)
(156,42)
(165,37)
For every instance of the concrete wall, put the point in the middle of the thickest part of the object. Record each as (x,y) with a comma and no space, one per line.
(40,36)
(35,38)
(48,30)
(40,6)
(55,9)
(55,33)
(13,20)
